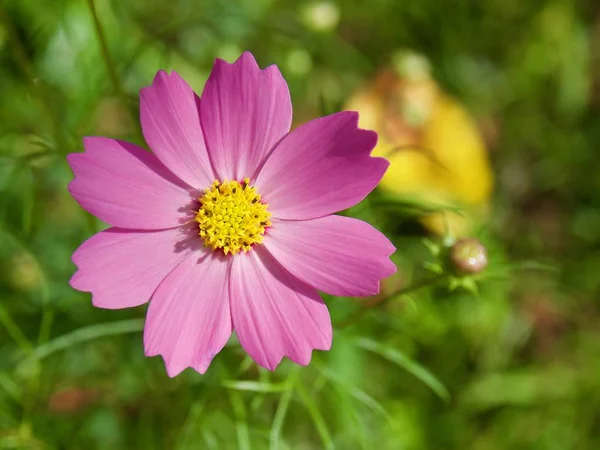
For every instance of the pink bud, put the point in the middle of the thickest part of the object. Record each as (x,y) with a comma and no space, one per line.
(468,255)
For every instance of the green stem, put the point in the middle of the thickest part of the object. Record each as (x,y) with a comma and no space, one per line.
(356,315)
(27,68)
(112,71)
(15,332)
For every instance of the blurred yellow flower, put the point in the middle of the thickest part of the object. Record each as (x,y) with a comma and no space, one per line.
(436,152)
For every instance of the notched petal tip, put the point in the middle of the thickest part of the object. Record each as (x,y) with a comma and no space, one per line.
(74,281)
(328,151)
(390,267)
(162,81)
(380,166)
(187,328)
(90,144)
(275,315)
(71,185)
(77,280)
(173,369)
(160,77)
(391,249)
(88,140)
(126,186)
(274,73)
(164,74)
(171,372)
(352,116)
(248,61)
(244,112)
(170,122)
(247,57)
(75,160)
(348,256)
(304,360)
(370,137)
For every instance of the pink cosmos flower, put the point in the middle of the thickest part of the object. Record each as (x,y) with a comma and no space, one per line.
(228,225)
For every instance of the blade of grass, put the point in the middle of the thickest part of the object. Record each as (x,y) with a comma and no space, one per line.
(241,425)
(316,416)
(11,387)
(190,423)
(27,204)
(412,367)
(356,393)
(86,334)
(254,386)
(26,66)
(14,331)
(209,439)
(264,376)
(112,71)
(281,412)
(44,289)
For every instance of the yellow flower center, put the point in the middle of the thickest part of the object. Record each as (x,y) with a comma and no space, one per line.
(232,217)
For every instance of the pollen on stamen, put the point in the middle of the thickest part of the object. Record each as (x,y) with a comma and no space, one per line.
(231,217)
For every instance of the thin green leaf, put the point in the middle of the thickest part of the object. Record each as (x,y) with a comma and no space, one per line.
(415,207)
(264,376)
(191,423)
(281,412)
(531,265)
(11,387)
(14,331)
(86,334)
(412,367)
(241,425)
(110,65)
(27,204)
(356,393)
(316,416)
(506,270)
(209,439)
(254,386)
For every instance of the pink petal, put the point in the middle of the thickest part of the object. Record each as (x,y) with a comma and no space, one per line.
(244,112)
(122,268)
(170,117)
(335,254)
(127,186)
(274,314)
(188,321)
(320,168)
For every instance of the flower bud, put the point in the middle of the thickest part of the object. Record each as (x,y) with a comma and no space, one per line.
(468,256)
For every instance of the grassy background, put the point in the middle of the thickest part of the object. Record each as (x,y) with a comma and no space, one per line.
(515,367)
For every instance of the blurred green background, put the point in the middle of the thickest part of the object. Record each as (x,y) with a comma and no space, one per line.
(514,366)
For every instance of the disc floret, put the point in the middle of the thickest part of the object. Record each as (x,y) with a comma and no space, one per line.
(232,217)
